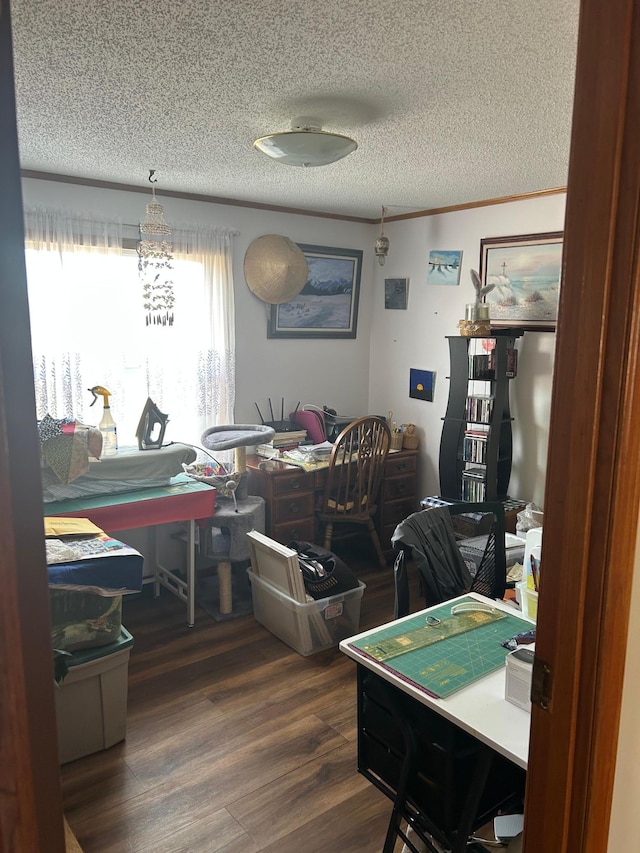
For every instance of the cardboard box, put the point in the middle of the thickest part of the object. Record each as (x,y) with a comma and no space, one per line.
(91,702)
(307,627)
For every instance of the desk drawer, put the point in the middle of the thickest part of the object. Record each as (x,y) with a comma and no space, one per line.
(290,507)
(293,482)
(300,530)
(400,464)
(393,512)
(399,487)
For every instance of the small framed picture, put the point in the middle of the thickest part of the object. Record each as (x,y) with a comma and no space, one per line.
(421,384)
(396,292)
(444,266)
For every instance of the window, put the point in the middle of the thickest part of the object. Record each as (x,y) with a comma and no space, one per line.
(88,328)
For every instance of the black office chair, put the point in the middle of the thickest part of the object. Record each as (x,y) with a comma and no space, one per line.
(428,538)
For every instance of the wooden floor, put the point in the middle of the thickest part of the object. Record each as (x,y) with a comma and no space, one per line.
(235,742)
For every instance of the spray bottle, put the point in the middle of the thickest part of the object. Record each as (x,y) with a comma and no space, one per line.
(107,425)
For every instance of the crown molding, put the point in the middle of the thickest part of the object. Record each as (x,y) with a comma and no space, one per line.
(254,205)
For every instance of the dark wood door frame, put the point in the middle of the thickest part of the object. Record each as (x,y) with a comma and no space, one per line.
(591,498)
(30,797)
(592,489)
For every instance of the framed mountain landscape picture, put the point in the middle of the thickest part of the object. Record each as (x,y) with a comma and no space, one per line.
(327,306)
(523,276)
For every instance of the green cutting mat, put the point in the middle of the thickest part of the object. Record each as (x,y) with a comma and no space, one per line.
(444,658)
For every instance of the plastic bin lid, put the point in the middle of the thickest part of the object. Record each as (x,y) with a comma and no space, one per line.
(124,641)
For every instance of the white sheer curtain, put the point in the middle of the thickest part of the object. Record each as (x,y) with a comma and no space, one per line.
(62,311)
(202,378)
(88,326)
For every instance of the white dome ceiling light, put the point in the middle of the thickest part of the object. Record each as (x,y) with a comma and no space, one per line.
(305,145)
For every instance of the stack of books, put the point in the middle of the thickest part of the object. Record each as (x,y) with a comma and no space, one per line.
(282,441)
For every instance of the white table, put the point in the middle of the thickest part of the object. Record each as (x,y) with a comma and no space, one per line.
(479,709)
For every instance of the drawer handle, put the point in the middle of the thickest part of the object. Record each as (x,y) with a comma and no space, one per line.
(294,506)
(401,466)
(401,488)
(295,484)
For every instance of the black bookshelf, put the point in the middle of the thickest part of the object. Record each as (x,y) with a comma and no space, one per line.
(476,444)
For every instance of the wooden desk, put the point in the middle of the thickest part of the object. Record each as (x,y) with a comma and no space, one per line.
(476,725)
(291,495)
(184,499)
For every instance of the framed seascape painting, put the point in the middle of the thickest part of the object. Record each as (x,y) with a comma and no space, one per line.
(524,276)
(327,306)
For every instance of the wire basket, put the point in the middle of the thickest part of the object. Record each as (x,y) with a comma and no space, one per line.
(227,485)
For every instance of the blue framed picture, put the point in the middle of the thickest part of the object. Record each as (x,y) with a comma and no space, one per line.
(421,384)
(444,267)
(327,306)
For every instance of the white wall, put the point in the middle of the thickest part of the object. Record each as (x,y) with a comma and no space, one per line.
(371,372)
(415,338)
(310,371)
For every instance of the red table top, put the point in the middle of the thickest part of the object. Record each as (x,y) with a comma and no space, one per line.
(181,500)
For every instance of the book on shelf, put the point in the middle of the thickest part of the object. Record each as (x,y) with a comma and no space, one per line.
(281,441)
(479,409)
(474,447)
(512,363)
(482,366)
(475,472)
(267,450)
(474,490)
(292,437)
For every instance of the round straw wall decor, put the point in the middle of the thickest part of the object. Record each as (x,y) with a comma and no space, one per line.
(275,269)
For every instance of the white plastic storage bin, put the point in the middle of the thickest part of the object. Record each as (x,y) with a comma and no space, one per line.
(91,701)
(528,600)
(309,627)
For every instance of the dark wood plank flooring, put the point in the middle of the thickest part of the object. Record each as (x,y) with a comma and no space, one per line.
(235,742)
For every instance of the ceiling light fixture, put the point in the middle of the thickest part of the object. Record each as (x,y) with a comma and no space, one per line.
(305,145)
(382,243)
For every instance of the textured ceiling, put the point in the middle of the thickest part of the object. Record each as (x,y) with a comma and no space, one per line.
(450,101)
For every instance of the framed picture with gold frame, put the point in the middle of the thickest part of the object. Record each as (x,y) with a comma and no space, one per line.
(525,274)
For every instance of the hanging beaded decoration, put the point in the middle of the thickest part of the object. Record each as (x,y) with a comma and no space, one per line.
(155,263)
